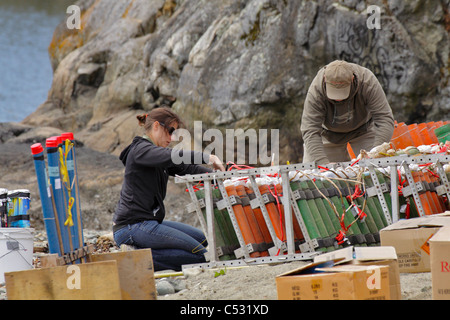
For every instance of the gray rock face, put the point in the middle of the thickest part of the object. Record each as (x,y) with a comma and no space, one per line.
(237,64)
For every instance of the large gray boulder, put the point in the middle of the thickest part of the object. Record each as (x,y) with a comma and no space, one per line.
(237,64)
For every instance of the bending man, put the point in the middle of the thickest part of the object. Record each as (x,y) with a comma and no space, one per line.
(345,103)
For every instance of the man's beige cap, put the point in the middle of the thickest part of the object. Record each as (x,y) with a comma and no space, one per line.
(338,78)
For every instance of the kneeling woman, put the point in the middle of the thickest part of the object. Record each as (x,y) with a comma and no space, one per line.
(139,217)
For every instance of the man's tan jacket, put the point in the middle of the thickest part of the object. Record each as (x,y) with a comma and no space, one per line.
(340,122)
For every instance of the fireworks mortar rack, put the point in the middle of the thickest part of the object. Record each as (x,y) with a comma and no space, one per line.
(58,189)
(296,212)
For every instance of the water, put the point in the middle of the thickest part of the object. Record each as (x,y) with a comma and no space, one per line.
(26,30)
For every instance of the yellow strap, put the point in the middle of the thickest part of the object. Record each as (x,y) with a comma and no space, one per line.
(65,180)
(69,220)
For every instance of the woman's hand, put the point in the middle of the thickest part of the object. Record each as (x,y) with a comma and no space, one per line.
(216,163)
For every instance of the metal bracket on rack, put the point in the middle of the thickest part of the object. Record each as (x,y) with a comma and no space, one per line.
(373,191)
(444,188)
(197,206)
(379,191)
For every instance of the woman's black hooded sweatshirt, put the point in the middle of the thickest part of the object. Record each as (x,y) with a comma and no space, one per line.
(147,170)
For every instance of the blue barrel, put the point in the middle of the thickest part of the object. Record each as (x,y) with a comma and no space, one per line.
(52,145)
(18,206)
(47,209)
(77,228)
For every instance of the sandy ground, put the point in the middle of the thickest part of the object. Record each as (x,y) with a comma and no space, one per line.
(258,283)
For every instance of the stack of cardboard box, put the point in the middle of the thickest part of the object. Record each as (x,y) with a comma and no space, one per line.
(353,273)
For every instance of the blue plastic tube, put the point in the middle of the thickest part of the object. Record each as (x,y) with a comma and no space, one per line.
(77,228)
(52,145)
(47,209)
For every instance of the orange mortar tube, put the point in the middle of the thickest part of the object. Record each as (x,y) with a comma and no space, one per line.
(431,126)
(424,197)
(425,133)
(432,195)
(434,178)
(415,135)
(260,218)
(402,138)
(242,221)
(298,235)
(439,124)
(273,214)
(438,200)
(251,218)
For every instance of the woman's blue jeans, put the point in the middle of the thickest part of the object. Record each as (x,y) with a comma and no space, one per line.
(173,243)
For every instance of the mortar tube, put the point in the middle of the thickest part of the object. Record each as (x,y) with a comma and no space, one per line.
(259,216)
(229,233)
(64,194)
(442,130)
(375,202)
(425,134)
(55,182)
(366,226)
(318,209)
(272,211)
(218,227)
(431,127)
(231,241)
(415,135)
(315,210)
(371,207)
(432,194)
(436,180)
(298,235)
(324,206)
(402,138)
(427,202)
(439,124)
(69,135)
(313,222)
(54,242)
(373,220)
(242,221)
(76,230)
(347,218)
(251,218)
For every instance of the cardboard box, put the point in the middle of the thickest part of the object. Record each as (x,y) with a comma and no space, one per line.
(316,281)
(106,276)
(385,256)
(136,276)
(410,240)
(440,264)
(86,281)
